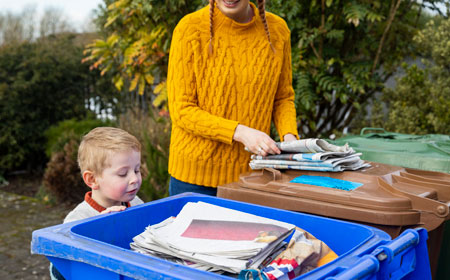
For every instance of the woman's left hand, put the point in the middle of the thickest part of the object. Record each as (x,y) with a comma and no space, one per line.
(289,137)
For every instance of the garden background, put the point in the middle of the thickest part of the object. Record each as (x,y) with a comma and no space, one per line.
(356,63)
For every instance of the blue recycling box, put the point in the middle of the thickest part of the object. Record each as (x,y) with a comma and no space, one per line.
(98,247)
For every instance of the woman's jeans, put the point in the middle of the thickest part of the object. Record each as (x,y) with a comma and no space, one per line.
(177,187)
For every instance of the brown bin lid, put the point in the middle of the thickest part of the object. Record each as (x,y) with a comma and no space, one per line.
(387,197)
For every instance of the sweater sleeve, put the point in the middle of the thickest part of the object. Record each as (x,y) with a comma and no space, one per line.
(284,114)
(181,84)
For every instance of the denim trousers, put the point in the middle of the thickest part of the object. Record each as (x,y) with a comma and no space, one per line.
(177,187)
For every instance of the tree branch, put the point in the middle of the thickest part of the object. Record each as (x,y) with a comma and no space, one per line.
(392,13)
(322,28)
(436,9)
(315,51)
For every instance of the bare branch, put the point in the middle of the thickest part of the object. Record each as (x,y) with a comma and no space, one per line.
(315,51)
(322,28)
(392,13)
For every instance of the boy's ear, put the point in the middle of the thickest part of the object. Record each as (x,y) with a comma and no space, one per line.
(90,180)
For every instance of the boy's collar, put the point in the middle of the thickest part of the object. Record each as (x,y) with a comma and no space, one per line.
(95,205)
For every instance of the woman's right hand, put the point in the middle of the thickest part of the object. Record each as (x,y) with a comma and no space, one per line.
(255,141)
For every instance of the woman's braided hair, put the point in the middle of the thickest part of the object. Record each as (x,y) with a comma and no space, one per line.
(262,13)
(211,29)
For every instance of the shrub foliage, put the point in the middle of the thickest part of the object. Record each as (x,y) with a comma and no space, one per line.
(41,84)
(420,103)
(62,177)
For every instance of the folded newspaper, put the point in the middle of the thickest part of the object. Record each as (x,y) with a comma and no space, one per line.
(214,238)
(311,154)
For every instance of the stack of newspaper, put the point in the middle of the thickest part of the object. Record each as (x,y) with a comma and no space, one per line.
(311,154)
(214,238)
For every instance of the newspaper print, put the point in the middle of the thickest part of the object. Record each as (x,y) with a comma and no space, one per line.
(311,155)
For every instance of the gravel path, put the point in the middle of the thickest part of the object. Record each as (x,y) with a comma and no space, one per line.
(19,216)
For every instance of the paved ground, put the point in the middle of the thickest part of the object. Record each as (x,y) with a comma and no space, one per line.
(19,216)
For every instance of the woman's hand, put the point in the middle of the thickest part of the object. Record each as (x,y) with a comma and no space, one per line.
(289,137)
(255,141)
(113,209)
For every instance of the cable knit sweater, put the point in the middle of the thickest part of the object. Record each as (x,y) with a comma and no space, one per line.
(242,82)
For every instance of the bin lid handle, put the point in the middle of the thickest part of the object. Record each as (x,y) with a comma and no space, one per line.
(274,173)
(372,128)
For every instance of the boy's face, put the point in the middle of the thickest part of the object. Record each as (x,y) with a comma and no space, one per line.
(121,181)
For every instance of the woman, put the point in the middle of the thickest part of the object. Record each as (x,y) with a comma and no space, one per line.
(229,77)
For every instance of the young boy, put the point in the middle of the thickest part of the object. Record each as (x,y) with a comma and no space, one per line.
(110,161)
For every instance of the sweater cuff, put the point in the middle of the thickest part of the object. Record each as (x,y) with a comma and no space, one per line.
(293,133)
(226,131)
(286,128)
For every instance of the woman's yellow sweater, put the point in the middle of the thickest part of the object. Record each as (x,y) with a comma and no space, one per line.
(242,82)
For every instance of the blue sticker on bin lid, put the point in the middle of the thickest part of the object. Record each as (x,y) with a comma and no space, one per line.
(326,182)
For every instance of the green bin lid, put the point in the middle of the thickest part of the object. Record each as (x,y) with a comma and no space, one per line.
(426,152)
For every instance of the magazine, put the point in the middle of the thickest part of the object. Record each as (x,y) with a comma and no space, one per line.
(214,238)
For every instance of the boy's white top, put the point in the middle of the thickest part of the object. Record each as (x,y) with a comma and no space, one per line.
(84,210)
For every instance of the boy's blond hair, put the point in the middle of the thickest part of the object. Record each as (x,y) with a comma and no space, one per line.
(100,143)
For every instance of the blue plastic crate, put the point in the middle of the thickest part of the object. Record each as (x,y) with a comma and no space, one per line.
(98,247)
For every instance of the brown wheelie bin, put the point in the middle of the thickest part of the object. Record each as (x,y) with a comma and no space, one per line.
(390,198)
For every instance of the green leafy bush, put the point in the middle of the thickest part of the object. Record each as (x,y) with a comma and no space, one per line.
(421,100)
(32,98)
(59,135)
(343,52)
(42,83)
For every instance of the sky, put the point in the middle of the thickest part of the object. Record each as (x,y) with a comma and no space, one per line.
(77,11)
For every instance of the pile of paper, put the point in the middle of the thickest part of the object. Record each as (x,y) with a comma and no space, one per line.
(311,154)
(214,238)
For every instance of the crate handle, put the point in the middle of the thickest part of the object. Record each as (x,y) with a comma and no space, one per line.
(378,261)
(372,128)
(274,173)
(367,265)
(409,238)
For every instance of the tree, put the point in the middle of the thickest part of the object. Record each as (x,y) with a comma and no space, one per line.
(24,27)
(342,51)
(137,44)
(42,83)
(17,28)
(53,22)
(421,100)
